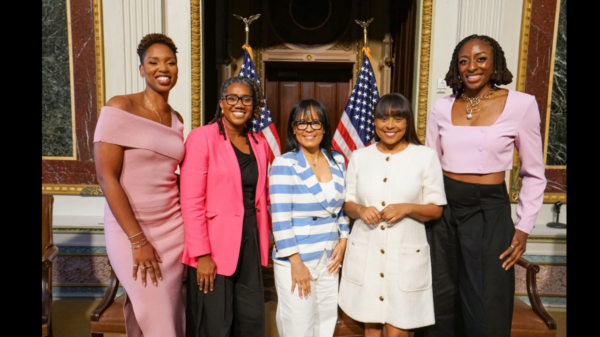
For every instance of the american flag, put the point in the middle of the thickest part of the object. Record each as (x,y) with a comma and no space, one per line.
(356,128)
(263,125)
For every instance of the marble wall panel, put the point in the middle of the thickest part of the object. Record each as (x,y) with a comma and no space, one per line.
(57,135)
(80,171)
(543,75)
(557,130)
(81,270)
(551,281)
(538,78)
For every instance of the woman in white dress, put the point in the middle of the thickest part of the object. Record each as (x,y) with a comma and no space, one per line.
(392,188)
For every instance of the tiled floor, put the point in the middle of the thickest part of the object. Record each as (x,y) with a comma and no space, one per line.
(72,317)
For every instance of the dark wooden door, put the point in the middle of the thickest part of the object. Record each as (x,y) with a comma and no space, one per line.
(287,83)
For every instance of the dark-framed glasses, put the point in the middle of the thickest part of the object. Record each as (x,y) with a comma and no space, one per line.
(302,125)
(232,99)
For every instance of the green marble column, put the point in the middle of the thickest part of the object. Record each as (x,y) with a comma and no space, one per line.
(57,130)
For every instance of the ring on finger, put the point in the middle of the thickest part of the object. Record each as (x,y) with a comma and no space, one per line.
(511,246)
(136,265)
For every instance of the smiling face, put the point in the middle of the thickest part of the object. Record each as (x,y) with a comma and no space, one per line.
(390,129)
(238,114)
(475,64)
(309,138)
(159,68)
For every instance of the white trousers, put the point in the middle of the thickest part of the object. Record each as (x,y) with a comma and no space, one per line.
(315,316)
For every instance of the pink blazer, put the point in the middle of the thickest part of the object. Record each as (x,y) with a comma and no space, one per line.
(212,202)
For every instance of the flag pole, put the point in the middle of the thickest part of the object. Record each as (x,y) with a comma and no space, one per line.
(364,25)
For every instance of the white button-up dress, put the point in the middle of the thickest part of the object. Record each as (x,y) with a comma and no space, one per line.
(386,274)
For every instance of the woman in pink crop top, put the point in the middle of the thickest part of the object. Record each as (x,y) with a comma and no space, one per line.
(475,243)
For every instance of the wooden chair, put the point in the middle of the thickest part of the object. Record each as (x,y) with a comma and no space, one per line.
(49,252)
(534,320)
(108,316)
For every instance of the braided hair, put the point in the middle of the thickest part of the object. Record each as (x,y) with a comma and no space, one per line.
(500,76)
(258,103)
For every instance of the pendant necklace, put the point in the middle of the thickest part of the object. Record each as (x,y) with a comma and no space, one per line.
(473,105)
(315,164)
(159,118)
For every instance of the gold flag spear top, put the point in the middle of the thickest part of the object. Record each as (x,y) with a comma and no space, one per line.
(364,25)
(247,22)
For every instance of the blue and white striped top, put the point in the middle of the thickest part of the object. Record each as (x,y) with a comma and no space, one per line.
(303,220)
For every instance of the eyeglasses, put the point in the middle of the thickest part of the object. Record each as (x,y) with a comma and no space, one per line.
(302,125)
(232,99)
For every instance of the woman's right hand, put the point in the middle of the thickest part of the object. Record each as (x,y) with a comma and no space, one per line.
(206,273)
(302,277)
(370,215)
(146,259)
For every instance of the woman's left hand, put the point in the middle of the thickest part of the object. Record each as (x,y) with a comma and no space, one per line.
(336,257)
(517,248)
(394,212)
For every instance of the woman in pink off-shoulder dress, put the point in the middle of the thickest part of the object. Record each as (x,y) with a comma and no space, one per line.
(138,144)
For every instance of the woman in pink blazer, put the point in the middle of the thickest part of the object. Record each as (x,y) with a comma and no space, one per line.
(224,206)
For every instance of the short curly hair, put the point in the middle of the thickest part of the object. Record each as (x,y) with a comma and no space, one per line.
(501,73)
(258,102)
(151,39)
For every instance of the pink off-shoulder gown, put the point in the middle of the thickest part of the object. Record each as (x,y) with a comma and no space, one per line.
(152,153)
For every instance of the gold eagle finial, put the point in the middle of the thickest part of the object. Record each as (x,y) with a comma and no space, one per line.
(247,22)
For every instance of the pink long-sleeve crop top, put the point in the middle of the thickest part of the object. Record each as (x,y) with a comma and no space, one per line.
(489,149)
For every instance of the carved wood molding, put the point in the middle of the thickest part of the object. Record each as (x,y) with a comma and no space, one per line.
(196,63)
(426,20)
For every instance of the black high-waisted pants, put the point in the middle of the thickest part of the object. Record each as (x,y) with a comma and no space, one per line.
(472,294)
(235,308)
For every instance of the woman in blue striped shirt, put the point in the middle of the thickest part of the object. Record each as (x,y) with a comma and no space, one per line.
(309,225)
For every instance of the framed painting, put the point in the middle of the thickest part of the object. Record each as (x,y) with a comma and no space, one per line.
(72,94)
(543,73)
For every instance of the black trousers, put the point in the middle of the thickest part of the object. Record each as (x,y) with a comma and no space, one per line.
(235,308)
(473,296)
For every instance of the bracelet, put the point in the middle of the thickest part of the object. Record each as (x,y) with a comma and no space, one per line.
(139,246)
(142,240)
(358,210)
(133,236)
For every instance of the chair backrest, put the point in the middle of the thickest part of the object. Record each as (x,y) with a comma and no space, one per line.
(47,202)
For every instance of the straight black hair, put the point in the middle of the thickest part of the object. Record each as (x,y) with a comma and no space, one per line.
(395,105)
(302,111)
